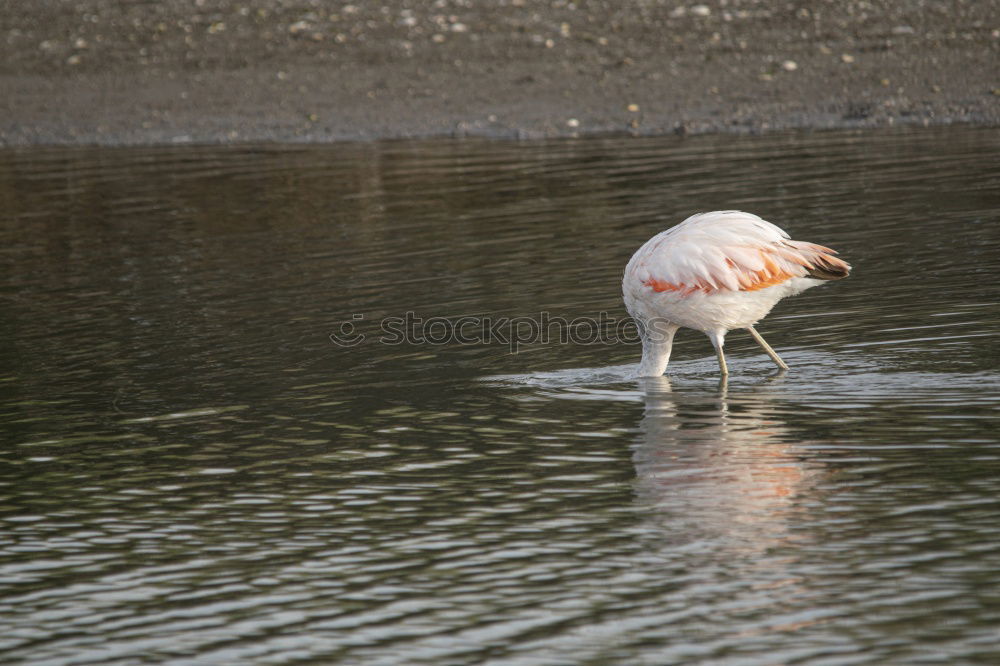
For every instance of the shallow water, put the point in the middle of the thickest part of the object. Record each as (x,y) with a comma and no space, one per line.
(193,472)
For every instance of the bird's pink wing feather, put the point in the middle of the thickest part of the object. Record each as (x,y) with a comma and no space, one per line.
(728,251)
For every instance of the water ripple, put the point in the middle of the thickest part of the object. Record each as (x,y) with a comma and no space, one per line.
(192,472)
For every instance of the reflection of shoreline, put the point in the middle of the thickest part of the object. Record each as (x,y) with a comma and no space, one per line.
(720,468)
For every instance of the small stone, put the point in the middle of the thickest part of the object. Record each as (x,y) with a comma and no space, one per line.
(789,65)
(216,27)
(572,122)
(437,38)
(80,43)
(634,108)
(549,43)
(701,10)
(847,58)
(73,60)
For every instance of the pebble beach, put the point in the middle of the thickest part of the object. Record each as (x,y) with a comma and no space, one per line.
(214,71)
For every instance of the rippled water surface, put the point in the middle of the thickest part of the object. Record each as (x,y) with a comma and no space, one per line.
(191,471)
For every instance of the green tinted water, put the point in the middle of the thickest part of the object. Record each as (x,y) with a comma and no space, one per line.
(194,472)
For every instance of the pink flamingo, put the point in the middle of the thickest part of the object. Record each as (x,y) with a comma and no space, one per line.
(715,272)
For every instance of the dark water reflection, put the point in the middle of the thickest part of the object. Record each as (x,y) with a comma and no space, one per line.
(193,472)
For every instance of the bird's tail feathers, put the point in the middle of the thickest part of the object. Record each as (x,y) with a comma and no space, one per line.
(824,265)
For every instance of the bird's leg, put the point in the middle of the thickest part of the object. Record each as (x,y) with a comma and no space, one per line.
(770,352)
(723,386)
(722,361)
(718,339)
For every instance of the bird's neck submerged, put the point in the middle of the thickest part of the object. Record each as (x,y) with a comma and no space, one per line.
(657,341)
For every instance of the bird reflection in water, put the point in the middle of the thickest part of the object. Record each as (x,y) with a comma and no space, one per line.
(722,468)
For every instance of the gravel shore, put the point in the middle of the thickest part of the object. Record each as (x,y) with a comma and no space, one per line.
(175,71)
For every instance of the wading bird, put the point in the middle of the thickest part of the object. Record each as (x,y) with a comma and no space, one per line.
(714,272)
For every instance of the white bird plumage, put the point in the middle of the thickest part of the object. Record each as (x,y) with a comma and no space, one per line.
(715,272)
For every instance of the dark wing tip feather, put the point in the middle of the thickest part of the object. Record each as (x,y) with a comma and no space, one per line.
(829,268)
